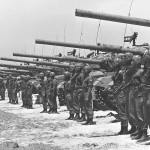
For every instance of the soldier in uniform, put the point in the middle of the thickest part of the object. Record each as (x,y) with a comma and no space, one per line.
(2,89)
(67,92)
(9,88)
(42,92)
(120,98)
(87,96)
(29,89)
(53,93)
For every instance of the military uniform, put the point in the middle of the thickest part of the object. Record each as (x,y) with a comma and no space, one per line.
(2,89)
(9,88)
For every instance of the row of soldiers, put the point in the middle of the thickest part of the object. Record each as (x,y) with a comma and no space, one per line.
(132,93)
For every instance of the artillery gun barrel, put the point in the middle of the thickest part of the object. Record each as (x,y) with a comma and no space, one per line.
(36,62)
(24,67)
(72,59)
(12,70)
(114,18)
(103,48)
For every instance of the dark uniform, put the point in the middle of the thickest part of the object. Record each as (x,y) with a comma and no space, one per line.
(2,89)
(87,96)
(9,88)
(53,94)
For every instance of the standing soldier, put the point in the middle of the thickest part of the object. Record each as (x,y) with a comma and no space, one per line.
(87,95)
(9,88)
(29,89)
(42,92)
(47,88)
(2,89)
(53,94)
(67,92)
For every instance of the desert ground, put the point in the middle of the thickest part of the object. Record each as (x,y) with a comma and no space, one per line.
(28,129)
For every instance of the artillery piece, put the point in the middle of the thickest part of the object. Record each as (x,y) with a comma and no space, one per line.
(114,18)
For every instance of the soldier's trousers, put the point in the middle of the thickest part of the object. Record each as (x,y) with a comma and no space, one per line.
(69,103)
(134,106)
(29,101)
(10,95)
(146,105)
(88,103)
(24,98)
(52,102)
(121,108)
(2,93)
(44,102)
(75,98)
(14,97)
(140,110)
(81,101)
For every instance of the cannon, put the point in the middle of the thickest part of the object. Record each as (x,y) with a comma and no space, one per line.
(27,67)
(103,47)
(64,58)
(114,18)
(16,71)
(36,62)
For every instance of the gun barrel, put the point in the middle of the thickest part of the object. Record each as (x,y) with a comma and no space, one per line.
(12,70)
(36,62)
(103,48)
(24,67)
(114,18)
(65,58)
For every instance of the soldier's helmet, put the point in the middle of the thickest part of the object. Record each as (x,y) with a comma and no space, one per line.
(137,59)
(72,67)
(41,74)
(128,56)
(67,75)
(48,73)
(28,77)
(78,67)
(87,69)
(52,74)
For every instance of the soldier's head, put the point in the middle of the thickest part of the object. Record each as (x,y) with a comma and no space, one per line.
(47,73)
(87,69)
(78,68)
(28,77)
(67,76)
(52,75)
(117,61)
(128,56)
(10,76)
(72,68)
(136,60)
(41,75)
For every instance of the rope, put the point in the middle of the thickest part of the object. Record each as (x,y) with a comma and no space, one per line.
(128,16)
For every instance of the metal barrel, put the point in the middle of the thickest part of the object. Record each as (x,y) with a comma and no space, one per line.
(36,62)
(103,47)
(24,67)
(64,58)
(114,18)
(17,71)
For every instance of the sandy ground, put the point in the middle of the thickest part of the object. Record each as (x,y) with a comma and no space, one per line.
(33,130)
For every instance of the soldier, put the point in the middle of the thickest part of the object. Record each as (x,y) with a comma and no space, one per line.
(29,89)
(120,98)
(87,96)
(23,91)
(47,88)
(67,92)
(53,93)
(9,87)
(42,92)
(2,88)
(133,94)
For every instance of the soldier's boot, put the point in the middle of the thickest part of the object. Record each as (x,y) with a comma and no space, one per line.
(144,136)
(77,116)
(91,122)
(82,118)
(136,132)
(50,111)
(132,130)
(70,117)
(55,111)
(121,131)
(44,111)
(138,136)
(87,121)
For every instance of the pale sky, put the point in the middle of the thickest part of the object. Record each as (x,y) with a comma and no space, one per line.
(23,21)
